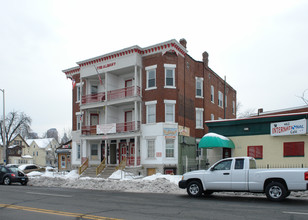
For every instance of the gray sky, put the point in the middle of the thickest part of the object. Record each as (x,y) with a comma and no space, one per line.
(260,46)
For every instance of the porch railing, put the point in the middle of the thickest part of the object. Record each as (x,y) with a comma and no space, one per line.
(101,167)
(111,95)
(98,97)
(84,166)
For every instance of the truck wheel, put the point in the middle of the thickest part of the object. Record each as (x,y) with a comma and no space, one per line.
(194,189)
(275,191)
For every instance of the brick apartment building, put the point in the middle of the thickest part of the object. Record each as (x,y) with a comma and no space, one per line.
(146,105)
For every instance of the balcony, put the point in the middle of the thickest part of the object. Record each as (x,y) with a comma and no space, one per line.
(120,128)
(111,95)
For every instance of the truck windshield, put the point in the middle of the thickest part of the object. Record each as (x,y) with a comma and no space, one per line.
(252,164)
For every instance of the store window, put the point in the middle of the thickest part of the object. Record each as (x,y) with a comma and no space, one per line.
(151,148)
(255,152)
(294,149)
(170,147)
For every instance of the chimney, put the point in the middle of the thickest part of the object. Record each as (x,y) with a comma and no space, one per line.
(183,42)
(205,56)
(260,110)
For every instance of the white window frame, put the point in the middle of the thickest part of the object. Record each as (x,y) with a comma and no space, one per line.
(172,68)
(150,152)
(172,149)
(150,104)
(78,93)
(220,99)
(78,120)
(199,80)
(212,94)
(199,118)
(172,104)
(148,69)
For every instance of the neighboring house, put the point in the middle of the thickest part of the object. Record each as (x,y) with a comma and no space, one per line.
(43,151)
(146,105)
(64,156)
(18,151)
(275,140)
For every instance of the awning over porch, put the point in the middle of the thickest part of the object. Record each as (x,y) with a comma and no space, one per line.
(213,140)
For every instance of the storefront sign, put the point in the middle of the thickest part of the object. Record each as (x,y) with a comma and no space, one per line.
(170,133)
(106,128)
(185,131)
(289,128)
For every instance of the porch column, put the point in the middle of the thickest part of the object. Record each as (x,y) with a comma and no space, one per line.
(106,86)
(135,84)
(140,81)
(135,150)
(136,116)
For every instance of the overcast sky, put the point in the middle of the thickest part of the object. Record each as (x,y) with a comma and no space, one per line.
(260,46)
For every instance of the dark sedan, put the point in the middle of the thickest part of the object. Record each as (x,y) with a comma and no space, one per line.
(12,175)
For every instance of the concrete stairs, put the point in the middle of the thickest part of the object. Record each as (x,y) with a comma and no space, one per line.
(107,171)
(91,172)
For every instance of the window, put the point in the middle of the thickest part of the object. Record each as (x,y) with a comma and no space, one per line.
(169,75)
(151,111)
(170,110)
(199,87)
(226,103)
(151,77)
(78,93)
(94,89)
(94,151)
(78,151)
(239,164)
(220,99)
(169,147)
(233,107)
(212,94)
(224,165)
(212,117)
(255,151)
(199,117)
(293,149)
(151,148)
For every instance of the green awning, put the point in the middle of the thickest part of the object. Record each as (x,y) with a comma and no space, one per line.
(211,140)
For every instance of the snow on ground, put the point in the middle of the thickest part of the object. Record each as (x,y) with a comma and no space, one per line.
(122,181)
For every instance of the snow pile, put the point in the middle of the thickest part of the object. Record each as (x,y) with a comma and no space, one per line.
(125,182)
(118,181)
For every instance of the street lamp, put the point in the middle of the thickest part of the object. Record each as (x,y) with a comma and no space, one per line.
(3,130)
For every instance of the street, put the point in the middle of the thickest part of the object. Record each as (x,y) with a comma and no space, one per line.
(28,202)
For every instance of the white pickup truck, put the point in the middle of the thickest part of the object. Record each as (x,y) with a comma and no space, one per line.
(239,174)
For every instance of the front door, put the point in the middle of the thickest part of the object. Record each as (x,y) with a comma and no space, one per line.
(94,120)
(128,121)
(122,147)
(131,154)
(113,153)
(128,89)
(226,153)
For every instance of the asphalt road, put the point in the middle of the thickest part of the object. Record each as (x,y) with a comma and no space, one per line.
(27,202)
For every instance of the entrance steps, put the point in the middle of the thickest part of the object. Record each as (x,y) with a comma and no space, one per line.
(108,171)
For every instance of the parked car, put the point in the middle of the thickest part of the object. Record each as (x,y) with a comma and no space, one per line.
(240,174)
(12,175)
(27,168)
(12,165)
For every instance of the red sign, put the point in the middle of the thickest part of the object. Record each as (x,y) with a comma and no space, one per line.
(106,65)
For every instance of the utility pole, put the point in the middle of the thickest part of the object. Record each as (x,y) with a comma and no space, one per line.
(3,124)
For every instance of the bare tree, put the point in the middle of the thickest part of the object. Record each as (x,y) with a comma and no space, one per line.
(15,123)
(303,96)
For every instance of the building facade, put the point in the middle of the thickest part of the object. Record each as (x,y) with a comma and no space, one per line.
(18,151)
(147,106)
(275,140)
(43,151)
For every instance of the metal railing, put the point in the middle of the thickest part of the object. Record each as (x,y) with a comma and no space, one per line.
(101,167)
(83,167)
(120,128)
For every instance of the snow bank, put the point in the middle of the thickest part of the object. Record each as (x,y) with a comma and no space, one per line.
(122,181)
